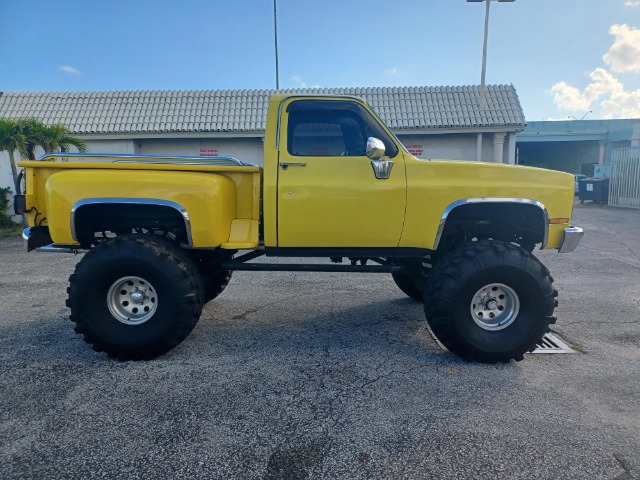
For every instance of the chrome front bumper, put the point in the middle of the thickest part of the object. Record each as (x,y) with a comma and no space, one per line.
(37,238)
(26,235)
(572,236)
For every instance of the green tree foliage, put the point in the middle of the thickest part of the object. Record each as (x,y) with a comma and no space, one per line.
(5,220)
(51,138)
(12,139)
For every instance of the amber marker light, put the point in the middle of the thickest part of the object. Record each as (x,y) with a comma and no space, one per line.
(557,221)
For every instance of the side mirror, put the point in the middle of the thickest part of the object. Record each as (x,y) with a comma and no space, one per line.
(375,148)
(375,151)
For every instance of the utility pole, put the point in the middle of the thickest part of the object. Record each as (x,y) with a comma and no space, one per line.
(483,87)
(275,32)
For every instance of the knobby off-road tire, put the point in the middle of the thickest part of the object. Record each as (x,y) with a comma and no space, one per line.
(490,301)
(412,280)
(411,285)
(215,283)
(214,278)
(135,297)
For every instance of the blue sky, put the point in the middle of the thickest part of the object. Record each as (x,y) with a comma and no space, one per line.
(565,57)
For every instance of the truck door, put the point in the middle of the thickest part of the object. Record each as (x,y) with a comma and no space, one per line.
(328,192)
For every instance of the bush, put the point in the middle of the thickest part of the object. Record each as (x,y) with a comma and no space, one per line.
(5,220)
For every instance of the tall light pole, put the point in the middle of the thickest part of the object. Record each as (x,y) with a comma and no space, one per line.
(275,33)
(483,87)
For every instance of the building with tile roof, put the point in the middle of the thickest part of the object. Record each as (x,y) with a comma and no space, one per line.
(433,122)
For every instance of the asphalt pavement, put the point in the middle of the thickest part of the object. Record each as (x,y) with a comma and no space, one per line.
(322,375)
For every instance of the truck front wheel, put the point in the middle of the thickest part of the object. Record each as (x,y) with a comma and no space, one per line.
(490,301)
(135,297)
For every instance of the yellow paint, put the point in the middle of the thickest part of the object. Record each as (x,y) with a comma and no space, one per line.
(243,235)
(433,185)
(214,196)
(338,202)
(331,202)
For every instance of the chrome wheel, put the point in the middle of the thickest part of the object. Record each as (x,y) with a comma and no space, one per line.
(495,306)
(132,300)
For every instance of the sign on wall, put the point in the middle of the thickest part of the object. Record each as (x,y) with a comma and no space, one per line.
(415,149)
(209,152)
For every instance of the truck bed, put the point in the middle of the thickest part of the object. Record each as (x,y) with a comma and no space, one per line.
(220,210)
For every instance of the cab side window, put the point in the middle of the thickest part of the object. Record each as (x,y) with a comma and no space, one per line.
(325,136)
(325,128)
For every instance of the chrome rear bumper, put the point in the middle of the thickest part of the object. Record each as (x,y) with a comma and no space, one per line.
(572,236)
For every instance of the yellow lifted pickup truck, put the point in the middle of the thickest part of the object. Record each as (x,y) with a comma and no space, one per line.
(162,234)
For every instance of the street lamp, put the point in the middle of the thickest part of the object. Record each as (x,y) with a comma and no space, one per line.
(484,47)
(275,35)
(483,88)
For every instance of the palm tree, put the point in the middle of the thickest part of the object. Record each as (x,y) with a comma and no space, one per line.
(49,137)
(58,136)
(12,138)
(32,129)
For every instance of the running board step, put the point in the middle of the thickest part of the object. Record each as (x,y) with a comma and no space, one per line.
(293,267)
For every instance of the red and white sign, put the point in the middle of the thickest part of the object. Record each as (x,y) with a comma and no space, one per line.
(209,152)
(416,149)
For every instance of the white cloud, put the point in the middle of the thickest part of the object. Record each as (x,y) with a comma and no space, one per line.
(605,90)
(624,54)
(632,3)
(392,71)
(69,69)
(569,98)
(615,103)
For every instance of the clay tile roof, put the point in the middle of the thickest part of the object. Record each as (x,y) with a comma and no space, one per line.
(244,111)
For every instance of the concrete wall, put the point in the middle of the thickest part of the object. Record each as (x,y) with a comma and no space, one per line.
(248,149)
(110,146)
(452,146)
(5,171)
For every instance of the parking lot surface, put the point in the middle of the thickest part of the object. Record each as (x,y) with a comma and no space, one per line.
(296,375)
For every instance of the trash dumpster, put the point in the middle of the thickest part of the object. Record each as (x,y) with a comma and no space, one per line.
(594,189)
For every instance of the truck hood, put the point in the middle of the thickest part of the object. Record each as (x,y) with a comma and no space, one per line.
(448,181)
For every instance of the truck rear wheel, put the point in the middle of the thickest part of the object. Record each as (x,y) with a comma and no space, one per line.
(214,278)
(490,301)
(215,283)
(412,279)
(135,297)
(411,285)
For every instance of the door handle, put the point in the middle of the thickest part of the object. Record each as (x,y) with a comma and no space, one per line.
(286,165)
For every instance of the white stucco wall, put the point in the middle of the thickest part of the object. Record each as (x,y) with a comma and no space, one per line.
(5,171)
(247,149)
(453,146)
(109,146)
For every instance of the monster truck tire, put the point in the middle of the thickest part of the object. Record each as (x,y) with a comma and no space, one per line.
(490,301)
(412,279)
(411,285)
(215,283)
(135,297)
